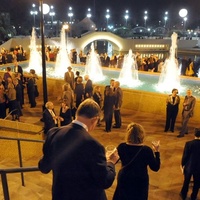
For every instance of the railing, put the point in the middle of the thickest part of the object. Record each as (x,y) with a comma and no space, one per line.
(4,180)
(21,169)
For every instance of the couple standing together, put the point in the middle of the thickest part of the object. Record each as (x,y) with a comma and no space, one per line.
(173,101)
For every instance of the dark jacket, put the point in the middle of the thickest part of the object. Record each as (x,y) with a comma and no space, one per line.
(190,158)
(78,162)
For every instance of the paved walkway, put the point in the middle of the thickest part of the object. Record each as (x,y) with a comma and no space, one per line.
(164,185)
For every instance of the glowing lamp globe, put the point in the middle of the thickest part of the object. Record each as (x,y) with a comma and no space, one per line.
(183,13)
(46,8)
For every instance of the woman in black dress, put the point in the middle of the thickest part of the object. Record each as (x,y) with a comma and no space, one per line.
(133,178)
(65,116)
(79,91)
(108,105)
(173,101)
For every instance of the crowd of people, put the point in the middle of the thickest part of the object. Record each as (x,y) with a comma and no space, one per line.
(75,90)
(75,156)
(188,66)
(12,86)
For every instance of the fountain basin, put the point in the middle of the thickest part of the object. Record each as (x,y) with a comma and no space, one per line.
(142,98)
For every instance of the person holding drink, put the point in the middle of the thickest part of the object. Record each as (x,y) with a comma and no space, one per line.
(80,167)
(133,179)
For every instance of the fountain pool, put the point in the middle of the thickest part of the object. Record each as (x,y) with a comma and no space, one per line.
(149,80)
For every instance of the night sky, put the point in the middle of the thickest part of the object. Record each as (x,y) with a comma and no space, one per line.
(20,9)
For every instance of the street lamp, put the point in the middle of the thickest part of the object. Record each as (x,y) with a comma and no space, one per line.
(166,18)
(52,14)
(89,15)
(183,13)
(70,14)
(145,18)
(184,22)
(33,12)
(44,9)
(107,15)
(126,16)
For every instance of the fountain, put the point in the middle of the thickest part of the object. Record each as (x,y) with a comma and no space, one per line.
(35,61)
(169,77)
(62,59)
(93,66)
(129,72)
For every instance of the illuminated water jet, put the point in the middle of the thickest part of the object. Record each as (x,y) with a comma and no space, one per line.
(93,66)
(129,72)
(169,77)
(62,59)
(35,60)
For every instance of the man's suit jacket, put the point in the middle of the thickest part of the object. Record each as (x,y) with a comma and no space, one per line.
(190,158)
(48,121)
(80,170)
(88,88)
(118,97)
(70,79)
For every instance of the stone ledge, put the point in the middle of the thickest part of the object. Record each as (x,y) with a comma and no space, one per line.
(25,127)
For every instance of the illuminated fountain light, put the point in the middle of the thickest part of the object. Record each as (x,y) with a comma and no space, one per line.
(93,66)
(62,59)
(170,74)
(35,60)
(129,72)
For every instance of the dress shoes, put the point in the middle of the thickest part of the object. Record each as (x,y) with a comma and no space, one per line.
(116,126)
(179,136)
(182,197)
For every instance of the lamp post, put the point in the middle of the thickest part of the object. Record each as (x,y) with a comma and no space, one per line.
(107,16)
(89,15)
(184,23)
(166,18)
(33,12)
(145,18)
(52,14)
(70,14)
(126,16)
(44,79)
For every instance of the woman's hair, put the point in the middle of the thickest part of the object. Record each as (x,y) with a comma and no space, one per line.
(79,80)
(174,90)
(135,133)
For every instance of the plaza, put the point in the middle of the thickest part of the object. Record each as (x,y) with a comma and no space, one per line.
(146,108)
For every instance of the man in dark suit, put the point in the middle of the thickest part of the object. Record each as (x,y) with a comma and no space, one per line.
(80,169)
(191,166)
(69,77)
(19,72)
(88,87)
(117,105)
(187,113)
(49,117)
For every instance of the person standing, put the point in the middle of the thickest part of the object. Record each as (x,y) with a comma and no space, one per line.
(49,117)
(191,166)
(31,90)
(118,103)
(3,100)
(173,101)
(133,178)
(108,104)
(187,113)
(80,167)
(69,77)
(65,115)
(88,87)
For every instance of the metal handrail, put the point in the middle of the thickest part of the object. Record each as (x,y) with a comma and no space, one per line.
(21,169)
(4,180)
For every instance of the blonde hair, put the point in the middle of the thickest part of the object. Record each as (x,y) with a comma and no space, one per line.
(135,134)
